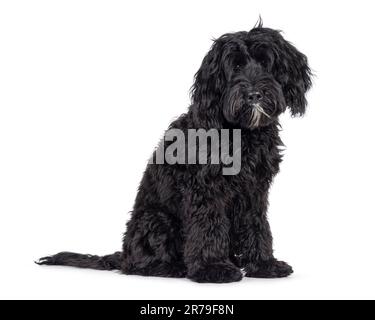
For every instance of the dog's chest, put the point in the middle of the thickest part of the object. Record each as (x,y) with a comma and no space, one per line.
(260,160)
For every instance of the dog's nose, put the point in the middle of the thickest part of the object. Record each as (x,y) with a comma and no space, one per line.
(254,97)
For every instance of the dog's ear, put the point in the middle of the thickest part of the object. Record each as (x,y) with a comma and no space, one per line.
(292,70)
(289,66)
(210,78)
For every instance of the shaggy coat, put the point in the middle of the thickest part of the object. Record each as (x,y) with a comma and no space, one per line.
(193,221)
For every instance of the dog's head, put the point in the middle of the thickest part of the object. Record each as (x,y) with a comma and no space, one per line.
(252,77)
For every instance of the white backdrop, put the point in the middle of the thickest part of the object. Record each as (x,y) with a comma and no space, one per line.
(87,89)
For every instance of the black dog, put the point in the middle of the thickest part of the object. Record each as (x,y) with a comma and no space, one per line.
(193,221)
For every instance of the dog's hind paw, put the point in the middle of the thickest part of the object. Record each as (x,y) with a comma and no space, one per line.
(219,272)
(268,269)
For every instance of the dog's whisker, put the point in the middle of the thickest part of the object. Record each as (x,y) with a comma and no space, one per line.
(256,114)
(261,110)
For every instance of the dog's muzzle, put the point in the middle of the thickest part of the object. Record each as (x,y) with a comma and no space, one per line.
(257,113)
(254,97)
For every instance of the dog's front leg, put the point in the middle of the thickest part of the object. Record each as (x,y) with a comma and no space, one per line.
(257,253)
(206,249)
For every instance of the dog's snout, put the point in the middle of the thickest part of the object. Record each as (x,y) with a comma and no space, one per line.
(254,96)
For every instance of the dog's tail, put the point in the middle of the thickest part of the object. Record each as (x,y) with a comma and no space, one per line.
(108,262)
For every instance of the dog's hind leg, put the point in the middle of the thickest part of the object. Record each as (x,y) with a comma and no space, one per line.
(153,245)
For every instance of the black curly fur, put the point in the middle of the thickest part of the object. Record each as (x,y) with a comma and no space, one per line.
(109,262)
(192,221)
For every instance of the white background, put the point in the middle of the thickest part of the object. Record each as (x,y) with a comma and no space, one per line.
(87,89)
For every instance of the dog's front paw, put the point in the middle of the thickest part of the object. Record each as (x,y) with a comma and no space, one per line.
(219,272)
(268,269)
